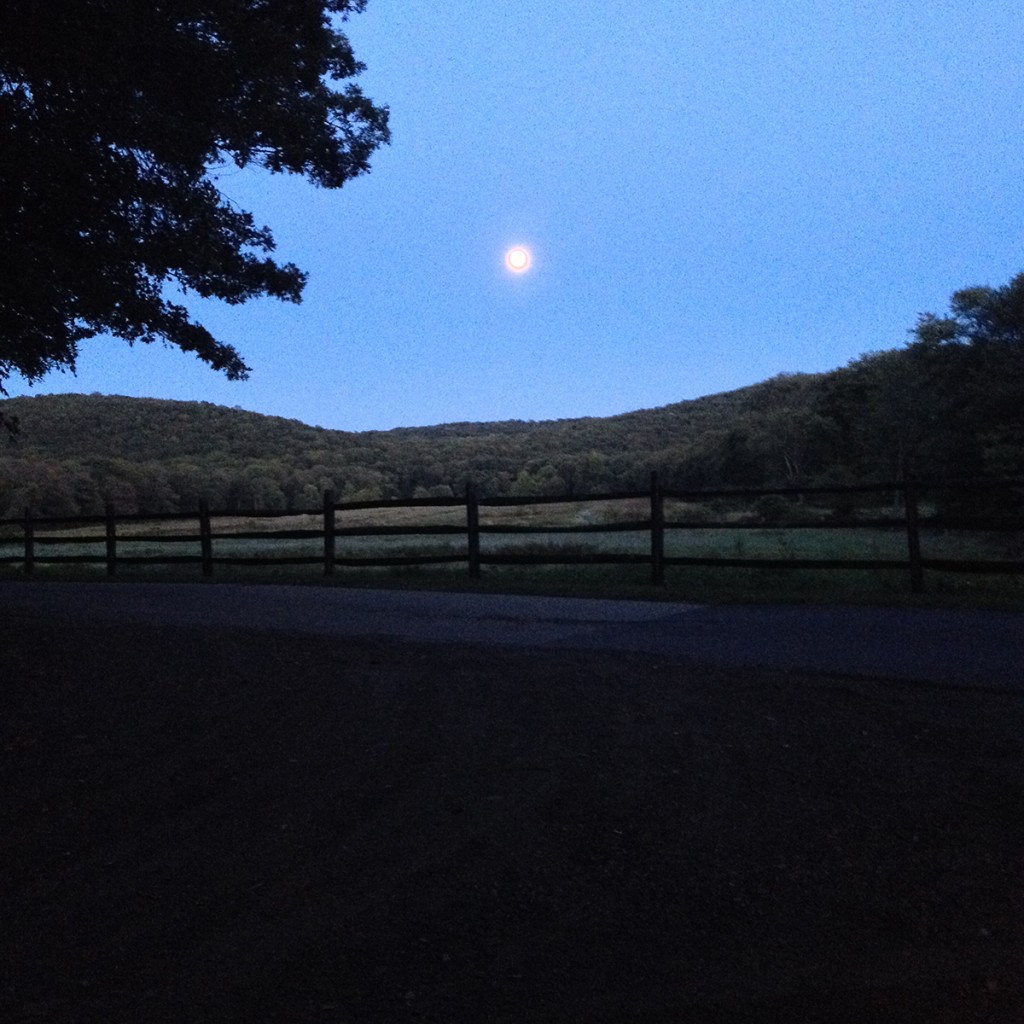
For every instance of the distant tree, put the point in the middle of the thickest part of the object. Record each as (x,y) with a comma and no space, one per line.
(789,427)
(113,114)
(889,411)
(973,359)
(309,497)
(42,486)
(119,491)
(543,480)
(980,316)
(587,473)
(189,483)
(88,499)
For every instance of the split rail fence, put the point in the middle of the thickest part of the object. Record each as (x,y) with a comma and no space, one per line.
(331,537)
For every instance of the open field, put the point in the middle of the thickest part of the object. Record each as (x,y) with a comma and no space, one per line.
(281,537)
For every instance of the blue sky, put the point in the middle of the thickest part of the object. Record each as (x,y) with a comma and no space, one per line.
(712,192)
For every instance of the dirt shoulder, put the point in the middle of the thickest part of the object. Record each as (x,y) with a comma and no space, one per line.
(200,825)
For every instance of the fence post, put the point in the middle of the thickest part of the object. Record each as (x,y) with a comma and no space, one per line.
(111,540)
(657,533)
(328,533)
(30,544)
(473,531)
(205,538)
(913,534)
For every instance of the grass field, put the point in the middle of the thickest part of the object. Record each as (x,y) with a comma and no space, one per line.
(177,537)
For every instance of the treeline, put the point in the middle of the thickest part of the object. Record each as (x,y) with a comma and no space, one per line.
(950,409)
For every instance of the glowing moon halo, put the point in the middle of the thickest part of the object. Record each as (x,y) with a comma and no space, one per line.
(517,259)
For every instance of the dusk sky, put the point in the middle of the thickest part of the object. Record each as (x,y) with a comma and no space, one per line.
(712,193)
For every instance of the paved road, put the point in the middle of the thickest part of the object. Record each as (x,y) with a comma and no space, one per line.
(961,647)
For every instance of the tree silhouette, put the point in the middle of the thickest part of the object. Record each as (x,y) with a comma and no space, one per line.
(112,113)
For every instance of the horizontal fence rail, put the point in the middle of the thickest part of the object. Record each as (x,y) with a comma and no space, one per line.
(81,540)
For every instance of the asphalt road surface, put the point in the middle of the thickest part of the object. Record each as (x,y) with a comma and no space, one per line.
(976,648)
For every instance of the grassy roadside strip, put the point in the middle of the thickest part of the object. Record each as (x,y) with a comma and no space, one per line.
(703,585)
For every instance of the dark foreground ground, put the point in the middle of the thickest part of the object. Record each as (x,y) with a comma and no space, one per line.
(203,826)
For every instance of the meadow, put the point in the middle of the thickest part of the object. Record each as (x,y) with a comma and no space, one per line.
(720,552)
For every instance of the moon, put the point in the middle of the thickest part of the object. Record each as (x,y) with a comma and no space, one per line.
(517,259)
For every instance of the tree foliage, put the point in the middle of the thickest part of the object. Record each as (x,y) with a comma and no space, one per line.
(112,113)
(980,316)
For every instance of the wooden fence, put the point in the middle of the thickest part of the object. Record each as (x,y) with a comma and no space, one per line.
(903,496)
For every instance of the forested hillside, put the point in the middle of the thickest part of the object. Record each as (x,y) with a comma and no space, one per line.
(952,410)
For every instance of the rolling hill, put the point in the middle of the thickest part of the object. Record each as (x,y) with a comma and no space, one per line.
(74,453)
